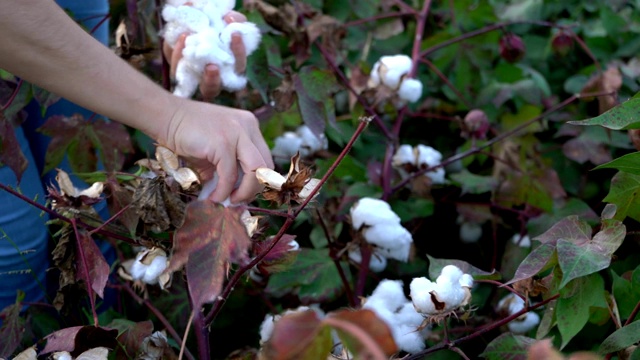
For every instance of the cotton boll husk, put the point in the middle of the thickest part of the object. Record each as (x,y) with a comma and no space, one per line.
(390,293)
(410,90)
(530,321)
(404,155)
(393,240)
(286,146)
(310,141)
(427,156)
(249,32)
(377,262)
(369,211)
(470,232)
(436,176)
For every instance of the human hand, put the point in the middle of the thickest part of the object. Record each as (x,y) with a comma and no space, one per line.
(211,84)
(218,139)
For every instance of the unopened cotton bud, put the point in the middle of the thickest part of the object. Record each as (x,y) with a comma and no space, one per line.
(476,124)
(470,232)
(410,90)
(369,212)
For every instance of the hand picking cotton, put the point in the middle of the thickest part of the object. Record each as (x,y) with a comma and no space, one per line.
(208,41)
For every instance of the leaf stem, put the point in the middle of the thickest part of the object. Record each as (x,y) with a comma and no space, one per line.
(633,314)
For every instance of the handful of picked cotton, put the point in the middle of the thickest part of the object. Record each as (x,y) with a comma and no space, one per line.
(208,41)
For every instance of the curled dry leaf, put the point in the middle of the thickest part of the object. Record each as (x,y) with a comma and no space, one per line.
(158,207)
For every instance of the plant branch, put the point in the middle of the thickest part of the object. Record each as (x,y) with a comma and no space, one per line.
(417,39)
(253,209)
(217,306)
(633,314)
(507,287)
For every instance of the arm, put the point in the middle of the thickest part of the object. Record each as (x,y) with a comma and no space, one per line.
(41,44)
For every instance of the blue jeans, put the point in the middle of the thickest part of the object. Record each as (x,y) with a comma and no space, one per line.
(24,237)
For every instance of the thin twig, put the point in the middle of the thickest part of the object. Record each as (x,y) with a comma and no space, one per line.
(186,334)
(378,17)
(633,314)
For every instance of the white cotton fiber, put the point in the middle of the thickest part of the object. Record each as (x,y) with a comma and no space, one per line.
(427,156)
(450,291)
(392,240)
(404,155)
(390,293)
(377,262)
(410,90)
(395,67)
(208,42)
(523,326)
(310,142)
(369,211)
(286,146)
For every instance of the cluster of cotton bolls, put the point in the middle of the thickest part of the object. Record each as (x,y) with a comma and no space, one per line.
(391,306)
(512,304)
(392,72)
(381,227)
(409,159)
(450,291)
(303,140)
(208,41)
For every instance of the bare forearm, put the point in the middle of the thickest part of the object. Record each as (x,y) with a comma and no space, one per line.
(42,45)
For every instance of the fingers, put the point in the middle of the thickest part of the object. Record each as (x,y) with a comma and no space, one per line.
(226,170)
(234,16)
(176,54)
(239,52)
(211,83)
(250,158)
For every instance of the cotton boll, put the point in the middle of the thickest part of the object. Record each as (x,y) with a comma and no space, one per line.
(466,281)
(377,262)
(266,328)
(409,316)
(286,146)
(390,293)
(374,77)
(293,246)
(450,272)
(408,338)
(157,267)
(393,240)
(249,32)
(522,241)
(404,155)
(470,232)
(410,90)
(310,141)
(523,326)
(393,68)
(369,211)
(511,304)
(427,156)
(436,176)
(420,289)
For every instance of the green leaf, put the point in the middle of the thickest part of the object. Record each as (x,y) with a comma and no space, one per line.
(622,117)
(436,265)
(629,163)
(576,261)
(621,338)
(412,208)
(625,194)
(508,346)
(571,228)
(572,312)
(313,277)
(474,184)
(626,293)
(541,258)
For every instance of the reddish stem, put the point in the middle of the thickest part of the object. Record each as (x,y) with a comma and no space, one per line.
(104,18)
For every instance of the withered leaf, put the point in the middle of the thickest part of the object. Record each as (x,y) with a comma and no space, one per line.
(212,236)
(12,328)
(120,198)
(608,81)
(89,337)
(157,205)
(91,265)
(284,95)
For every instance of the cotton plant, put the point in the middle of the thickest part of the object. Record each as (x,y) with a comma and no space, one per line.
(380,226)
(512,304)
(208,41)
(302,141)
(441,298)
(390,304)
(408,159)
(392,72)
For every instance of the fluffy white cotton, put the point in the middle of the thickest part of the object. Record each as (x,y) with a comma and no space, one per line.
(310,142)
(470,232)
(523,324)
(286,146)
(522,241)
(377,262)
(208,42)
(293,246)
(150,273)
(410,90)
(436,176)
(392,240)
(427,156)
(404,155)
(369,211)
(450,291)
(390,304)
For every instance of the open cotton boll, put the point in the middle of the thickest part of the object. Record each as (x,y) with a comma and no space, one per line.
(286,146)
(524,325)
(436,176)
(410,90)
(377,262)
(450,291)
(374,77)
(310,142)
(426,156)
(404,155)
(393,68)
(149,272)
(369,211)
(390,293)
(392,240)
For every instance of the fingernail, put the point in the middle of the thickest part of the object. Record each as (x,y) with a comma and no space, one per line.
(230,19)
